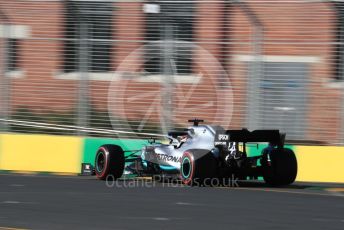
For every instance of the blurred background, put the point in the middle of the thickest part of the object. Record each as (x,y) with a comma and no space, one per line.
(135,68)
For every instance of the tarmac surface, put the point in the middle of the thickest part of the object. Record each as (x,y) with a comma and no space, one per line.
(67,202)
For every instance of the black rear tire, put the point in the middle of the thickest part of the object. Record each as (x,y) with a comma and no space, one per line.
(197,165)
(282,169)
(109,162)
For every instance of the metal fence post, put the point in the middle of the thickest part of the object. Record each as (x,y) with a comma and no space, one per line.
(255,71)
(342,118)
(83,81)
(342,102)
(167,81)
(341,36)
(5,81)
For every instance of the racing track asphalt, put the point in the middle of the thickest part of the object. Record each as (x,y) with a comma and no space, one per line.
(62,202)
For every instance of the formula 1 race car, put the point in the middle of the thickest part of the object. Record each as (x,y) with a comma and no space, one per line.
(203,152)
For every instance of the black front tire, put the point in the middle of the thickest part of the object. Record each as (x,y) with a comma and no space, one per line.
(281,169)
(109,162)
(197,165)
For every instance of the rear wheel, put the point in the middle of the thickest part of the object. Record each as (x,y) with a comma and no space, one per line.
(109,162)
(281,169)
(197,166)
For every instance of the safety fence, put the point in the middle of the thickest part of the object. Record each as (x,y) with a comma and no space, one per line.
(129,69)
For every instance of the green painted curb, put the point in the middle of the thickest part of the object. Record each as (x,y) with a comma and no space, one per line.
(252,149)
(91,145)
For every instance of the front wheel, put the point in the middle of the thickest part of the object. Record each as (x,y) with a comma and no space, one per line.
(109,162)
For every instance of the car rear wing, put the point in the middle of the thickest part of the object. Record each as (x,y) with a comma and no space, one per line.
(274,137)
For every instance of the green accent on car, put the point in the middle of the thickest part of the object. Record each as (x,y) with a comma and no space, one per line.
(186,159)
